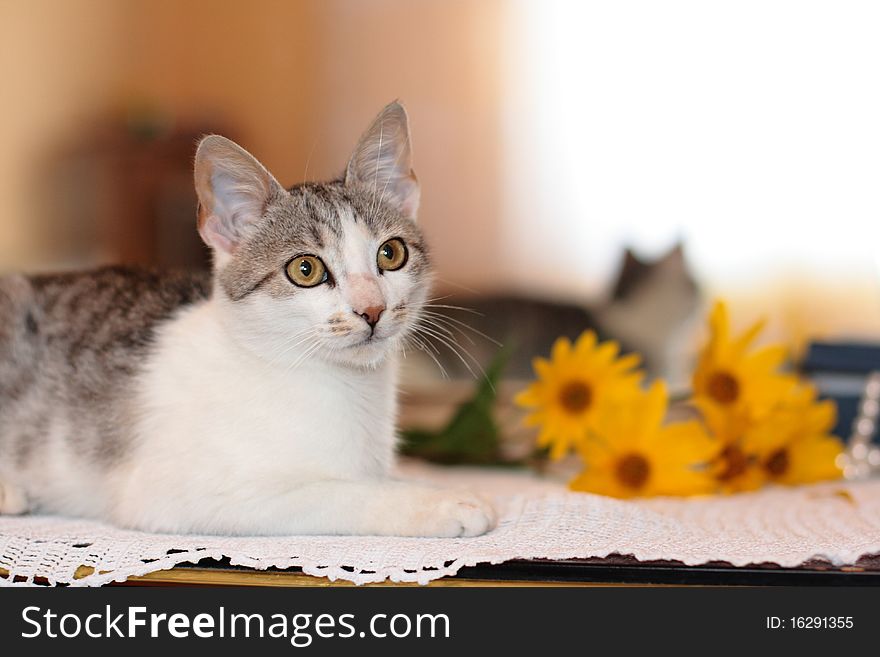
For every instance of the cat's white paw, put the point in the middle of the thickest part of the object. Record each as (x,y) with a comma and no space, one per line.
(455,513)
(12,500)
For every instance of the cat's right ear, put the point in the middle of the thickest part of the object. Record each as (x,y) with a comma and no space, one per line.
(233,190)
(382,161)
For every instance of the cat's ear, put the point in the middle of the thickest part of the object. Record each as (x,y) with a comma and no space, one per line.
(632,270)
(631,260)
(382,161)
(675,256)
(233,190)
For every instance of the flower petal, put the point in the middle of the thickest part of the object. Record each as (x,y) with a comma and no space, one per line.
(585,343)
(561,349)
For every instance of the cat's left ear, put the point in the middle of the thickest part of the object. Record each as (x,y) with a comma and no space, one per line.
(675,256)
(382,161)
(233,189)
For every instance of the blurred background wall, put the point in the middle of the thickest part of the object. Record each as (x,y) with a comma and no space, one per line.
(547,134)
(294,82)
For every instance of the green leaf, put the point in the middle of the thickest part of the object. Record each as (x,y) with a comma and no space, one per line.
(472,435)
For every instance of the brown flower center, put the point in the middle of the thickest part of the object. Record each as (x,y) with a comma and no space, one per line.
(576,397)
(777,464)
(735,463)
(723,387)
(633,470)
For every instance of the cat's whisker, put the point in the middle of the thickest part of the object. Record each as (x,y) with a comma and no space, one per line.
(294,341)
(458,285)
(439,330)
(297,339)
(440,321)
(423,346)
(449,341)
(446,343)
(431,346)
(305,344)
(304,356)
(428,345)
(423,320)
(445,296)
(304,335)
(465,325)
(448,307)
(316,345)
(454,346)
(284,352)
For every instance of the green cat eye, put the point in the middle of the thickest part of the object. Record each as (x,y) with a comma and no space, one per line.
(392,255)
(307,271)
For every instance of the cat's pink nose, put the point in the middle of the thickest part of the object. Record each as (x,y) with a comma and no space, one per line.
(371,315)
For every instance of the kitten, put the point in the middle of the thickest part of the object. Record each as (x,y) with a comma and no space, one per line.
(649,310)
(257,400)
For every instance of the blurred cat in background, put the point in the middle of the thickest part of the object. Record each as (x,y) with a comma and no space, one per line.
(649,310)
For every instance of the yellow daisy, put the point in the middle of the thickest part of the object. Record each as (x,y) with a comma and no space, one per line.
(573,386)
(733,385)
(794,445)
(634,454)
(734,469)
(737,470)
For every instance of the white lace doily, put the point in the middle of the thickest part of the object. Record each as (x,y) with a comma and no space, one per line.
(837,522)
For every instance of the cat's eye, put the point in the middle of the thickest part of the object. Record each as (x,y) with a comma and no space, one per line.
(307,271)
(392,255)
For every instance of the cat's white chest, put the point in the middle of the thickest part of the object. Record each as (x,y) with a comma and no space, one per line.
(206,405)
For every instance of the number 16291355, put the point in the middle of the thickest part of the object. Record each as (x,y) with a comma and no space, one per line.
(809,623)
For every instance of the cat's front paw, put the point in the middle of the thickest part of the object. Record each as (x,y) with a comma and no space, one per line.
(12,500)
(453,513)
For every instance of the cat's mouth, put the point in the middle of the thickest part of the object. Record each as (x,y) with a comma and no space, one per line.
(371,340)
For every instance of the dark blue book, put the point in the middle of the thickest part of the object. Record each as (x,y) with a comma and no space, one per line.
(858,358)
(840,371)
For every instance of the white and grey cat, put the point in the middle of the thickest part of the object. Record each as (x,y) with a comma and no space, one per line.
(257,400)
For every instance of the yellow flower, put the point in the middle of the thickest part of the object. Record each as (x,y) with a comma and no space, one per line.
(794,445)
(737,470)
(573,386)
(734,469)
(734,387)
(635,454)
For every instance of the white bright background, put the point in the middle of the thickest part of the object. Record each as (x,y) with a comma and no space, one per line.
(751,129)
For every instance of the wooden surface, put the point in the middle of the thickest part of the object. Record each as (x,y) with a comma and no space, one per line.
(219,577)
